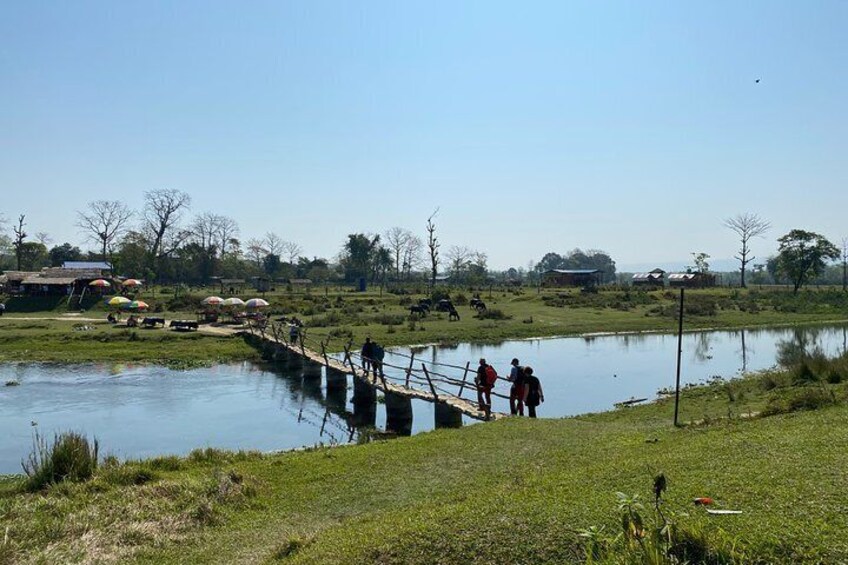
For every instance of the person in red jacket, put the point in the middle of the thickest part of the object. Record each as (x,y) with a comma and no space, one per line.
(485,381)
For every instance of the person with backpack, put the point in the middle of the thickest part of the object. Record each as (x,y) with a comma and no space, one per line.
(516,392)
(533,395)
(485,381)
(377,354)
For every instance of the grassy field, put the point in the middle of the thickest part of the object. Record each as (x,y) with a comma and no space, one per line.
(340,315)
(513,491)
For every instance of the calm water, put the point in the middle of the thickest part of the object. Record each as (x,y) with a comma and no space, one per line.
(142,411)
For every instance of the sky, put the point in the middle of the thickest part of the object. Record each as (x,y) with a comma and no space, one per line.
(632,127)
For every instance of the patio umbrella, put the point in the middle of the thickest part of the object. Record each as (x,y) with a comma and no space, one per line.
(137,305)
(233,302)
(256,303)
(132,282)
(212,301)
(118,301)
(100,283)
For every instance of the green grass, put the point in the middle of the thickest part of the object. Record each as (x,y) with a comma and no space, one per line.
(512,491)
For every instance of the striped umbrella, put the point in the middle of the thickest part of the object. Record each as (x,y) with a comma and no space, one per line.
(233,302)
(132,282)
(256,303)
(212,301)
(101,283)
(137,305)
(118,301)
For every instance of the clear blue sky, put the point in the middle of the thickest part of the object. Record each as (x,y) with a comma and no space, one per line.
(631,127)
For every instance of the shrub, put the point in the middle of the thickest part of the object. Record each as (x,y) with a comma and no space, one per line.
(492,314)
(69,458)
(800,398)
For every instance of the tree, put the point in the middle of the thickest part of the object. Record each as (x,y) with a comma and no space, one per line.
(228,232)
(256,251)
(33,256)
(291,251)
(105,222)
(65,252)
(397,239)
(20,237)
(274,244)
(459,259)
(844,264)
(358,255)
(701,264)
(43,238)
(747,226)
(163,211)
(412,255)
(803,255)
(549,262)
(433,247)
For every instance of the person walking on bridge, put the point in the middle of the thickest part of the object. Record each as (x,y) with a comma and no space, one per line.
(533,395)
(516,392)
(485,381)
(367,355)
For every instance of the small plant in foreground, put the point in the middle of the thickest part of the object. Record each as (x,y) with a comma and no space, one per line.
(69,458)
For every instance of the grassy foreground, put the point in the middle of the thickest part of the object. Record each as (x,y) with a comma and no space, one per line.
(513,491)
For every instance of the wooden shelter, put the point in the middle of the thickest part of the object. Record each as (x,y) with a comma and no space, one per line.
(571,277)
(691,280)
(653,279)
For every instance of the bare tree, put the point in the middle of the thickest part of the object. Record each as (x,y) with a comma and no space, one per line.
(256,251)
(163,210)
(746,226)
(228,231)
(274,244)
(292,251)
(104,223)
(397,240)
(43,238)
(20,237)
(844,264)
(433,247)
(412,255)
(206,230)
(459,258)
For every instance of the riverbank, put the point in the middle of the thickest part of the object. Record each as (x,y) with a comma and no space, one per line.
(514,491)
(340,317)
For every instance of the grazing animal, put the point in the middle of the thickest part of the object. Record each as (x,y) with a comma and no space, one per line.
(425,302)
(480,306)
(418,309)
(444,305)
(474,302)
(453,315)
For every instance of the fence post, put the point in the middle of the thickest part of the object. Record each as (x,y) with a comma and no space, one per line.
(347,360)
(430,382)
(324,354)
(409,370)
(464,377)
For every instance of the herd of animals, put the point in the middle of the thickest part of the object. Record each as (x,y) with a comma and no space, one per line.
(445,305)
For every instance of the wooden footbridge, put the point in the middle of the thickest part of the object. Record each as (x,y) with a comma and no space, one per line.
(414,379)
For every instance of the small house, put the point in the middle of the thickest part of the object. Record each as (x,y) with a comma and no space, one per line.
(12,281)
(691,280)
(571,277)
(653,279)
(60,281)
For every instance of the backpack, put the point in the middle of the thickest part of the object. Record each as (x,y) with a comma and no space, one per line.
(491,375)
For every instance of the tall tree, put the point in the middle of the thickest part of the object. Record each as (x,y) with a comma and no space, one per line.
(20,237)
(291,251)
(433,247)
(459,259)
(256,251)
(62,253)
(803,255)
(33,256)
(747,226)
(163,210)
(274,244)
(228,232)
(701,263)
(105,222)
(358,255)
(844,264)
(397,239)
(412,255)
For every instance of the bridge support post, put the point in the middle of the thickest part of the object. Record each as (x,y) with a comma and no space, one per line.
(447,416)
(336,389)
(364,403)
(311,371)
(399,414)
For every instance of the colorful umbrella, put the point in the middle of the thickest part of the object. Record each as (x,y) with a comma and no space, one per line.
(132,282)
(256,303)
(233,302)
(118,301)
(212,301)
(137,305)
(100,283)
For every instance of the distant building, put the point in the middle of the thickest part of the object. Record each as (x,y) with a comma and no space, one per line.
(104,267)
(654,279)
(571,277)
(691,280)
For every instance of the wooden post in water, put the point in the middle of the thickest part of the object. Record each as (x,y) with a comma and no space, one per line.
(679,354)
(430,382)
(409,370)
(464,377)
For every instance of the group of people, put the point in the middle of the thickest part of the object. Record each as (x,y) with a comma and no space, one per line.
(372,357)
(525,389)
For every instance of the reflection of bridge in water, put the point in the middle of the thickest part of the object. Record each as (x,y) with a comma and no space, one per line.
(305,369)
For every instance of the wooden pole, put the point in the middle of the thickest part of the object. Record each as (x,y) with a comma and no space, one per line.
(409,370)
(430,382)
(324,354)
(679,354)
(464,377)
(347,360)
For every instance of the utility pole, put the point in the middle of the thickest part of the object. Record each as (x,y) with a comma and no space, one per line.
(679,354)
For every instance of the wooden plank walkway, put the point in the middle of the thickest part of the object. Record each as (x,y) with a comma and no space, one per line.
(385,385)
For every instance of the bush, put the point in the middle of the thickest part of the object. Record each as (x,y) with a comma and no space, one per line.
(69,458)
(800,398)
(492,314)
